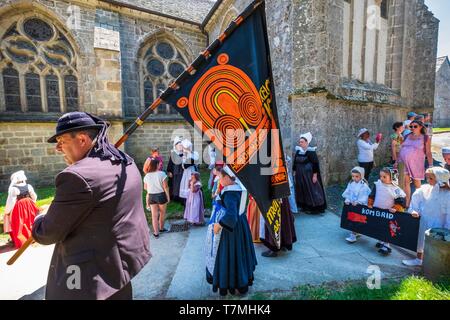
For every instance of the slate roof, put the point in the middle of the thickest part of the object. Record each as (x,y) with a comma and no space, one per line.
(192,10)
(441,61)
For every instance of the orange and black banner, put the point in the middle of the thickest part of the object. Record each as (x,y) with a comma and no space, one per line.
(228,95)
(398,228)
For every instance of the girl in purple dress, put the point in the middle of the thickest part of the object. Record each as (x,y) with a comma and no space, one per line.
(194,211)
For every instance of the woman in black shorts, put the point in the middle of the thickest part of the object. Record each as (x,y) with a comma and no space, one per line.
(155,183)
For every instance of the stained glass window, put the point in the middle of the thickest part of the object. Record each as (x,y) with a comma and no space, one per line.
(38,30)
(71,88)
(52,87)
(148,93)
(162,62)
(33,92)
(175,69)
(162,108)
(155,67)
(165,50)
(12,89)
(35,44)
(384,9)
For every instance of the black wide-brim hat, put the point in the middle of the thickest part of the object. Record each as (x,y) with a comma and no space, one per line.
(74,121)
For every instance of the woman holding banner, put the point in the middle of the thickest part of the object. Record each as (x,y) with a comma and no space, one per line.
(432,203)
(310,194)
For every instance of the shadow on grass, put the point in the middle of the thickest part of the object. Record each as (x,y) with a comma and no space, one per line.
(410,288)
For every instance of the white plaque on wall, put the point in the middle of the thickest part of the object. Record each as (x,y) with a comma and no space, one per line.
(106,39)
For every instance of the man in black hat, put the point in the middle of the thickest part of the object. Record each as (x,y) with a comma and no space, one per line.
(96,219)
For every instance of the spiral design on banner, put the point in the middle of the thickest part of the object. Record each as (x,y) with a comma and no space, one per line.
(229,131)
(250,110)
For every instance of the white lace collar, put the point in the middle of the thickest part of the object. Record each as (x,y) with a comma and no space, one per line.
(232,187)
(301,151)
(237,187)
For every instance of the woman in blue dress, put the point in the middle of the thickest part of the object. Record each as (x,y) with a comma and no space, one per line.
(235,260)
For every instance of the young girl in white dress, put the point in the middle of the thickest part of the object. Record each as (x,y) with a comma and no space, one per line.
(431,202)
(387,195)
(356,193)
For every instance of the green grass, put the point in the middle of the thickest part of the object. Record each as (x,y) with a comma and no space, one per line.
(437,130)
(45,196)
(174,210)
(410,288)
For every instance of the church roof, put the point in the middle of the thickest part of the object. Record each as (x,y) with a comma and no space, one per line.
(191,10)
(441,61)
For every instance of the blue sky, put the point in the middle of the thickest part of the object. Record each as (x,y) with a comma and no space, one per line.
(441,10)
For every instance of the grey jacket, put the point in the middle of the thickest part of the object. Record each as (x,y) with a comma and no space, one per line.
(98,223)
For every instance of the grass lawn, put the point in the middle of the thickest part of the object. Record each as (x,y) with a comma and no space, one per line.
(174,210)
(410,288)
(437,130)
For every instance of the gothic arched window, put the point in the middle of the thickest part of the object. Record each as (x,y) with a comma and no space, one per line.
(161,63)
(38,67)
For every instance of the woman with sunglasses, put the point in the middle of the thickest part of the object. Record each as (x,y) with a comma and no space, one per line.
(416,146)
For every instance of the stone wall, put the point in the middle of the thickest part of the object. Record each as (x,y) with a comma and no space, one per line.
(23,146)
(134,33)
(427,29)
(108,84)
(441,114)
(280,16)
(327,118)
(281,50)
(156,134)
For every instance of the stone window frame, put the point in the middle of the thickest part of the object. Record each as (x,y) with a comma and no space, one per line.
(38,64)
(150,43)
(229,16)
(384,8)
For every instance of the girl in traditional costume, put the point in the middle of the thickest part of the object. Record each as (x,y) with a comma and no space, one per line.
(231,258)
(310,194)
(387,195)
(431,202)
(195,212)
(20,209)
(189,166)
(356,193)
